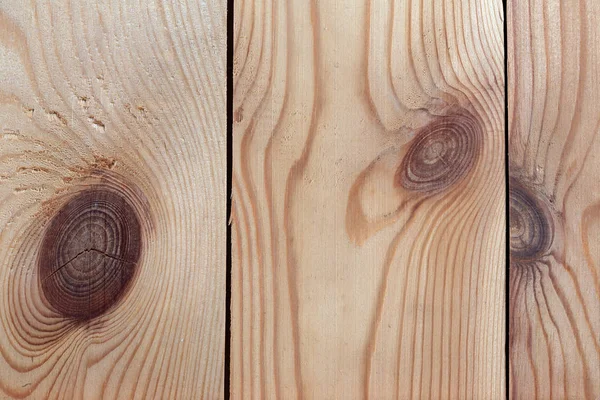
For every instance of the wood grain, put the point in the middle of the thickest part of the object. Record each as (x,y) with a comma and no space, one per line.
(123,103)
(554,121)
(368,200)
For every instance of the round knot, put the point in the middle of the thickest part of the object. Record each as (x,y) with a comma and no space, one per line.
(442,154)
(530,229)
(89,253)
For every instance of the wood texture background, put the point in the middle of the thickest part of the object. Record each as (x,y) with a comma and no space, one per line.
(115,91)
(352,278)
(554,121)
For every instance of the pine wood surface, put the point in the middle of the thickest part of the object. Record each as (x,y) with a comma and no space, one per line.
(368,211)
(112,161)
(554,117)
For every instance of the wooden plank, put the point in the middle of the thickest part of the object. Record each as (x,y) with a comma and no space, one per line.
(554,120)
(112,199)
(368,200)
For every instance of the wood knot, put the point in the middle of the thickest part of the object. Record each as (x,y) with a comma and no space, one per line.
(441,155)
(89,253)
(531,227)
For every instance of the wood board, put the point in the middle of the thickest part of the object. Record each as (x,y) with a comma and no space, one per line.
(554,118)
(113,156)
(368,215)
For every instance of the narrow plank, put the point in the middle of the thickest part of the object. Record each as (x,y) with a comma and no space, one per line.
(554,120)
(112,199)
(368,200)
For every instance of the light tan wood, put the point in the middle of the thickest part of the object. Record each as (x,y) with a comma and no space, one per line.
(554,121)
(130,96)
(368,200)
